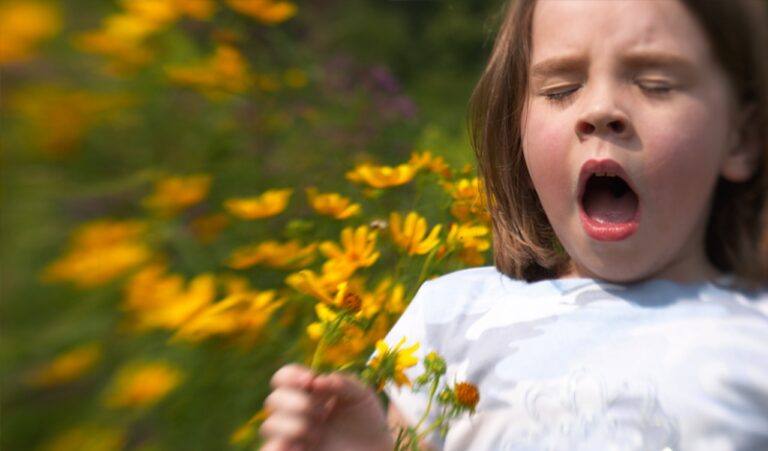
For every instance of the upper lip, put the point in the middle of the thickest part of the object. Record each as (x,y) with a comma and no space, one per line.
(592,167)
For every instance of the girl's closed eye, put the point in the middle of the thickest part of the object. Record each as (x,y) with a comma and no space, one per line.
(655,87)
(560,94)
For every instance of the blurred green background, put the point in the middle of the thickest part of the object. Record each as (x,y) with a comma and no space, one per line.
(101,98)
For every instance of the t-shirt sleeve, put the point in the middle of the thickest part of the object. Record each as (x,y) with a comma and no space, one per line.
(412,328)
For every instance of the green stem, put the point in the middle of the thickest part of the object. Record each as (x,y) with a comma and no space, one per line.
(435,424)
(423,272)
(432,391)
(318,353)
(331,329)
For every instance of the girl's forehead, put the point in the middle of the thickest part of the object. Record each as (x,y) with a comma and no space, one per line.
(585,26)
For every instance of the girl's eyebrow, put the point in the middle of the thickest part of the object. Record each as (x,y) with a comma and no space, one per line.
(635,60)
(655,60)
(558,65)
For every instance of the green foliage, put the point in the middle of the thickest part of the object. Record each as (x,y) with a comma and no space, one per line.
(90,132)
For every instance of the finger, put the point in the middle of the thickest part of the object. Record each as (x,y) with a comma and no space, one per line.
(341,387)
(282,445)
(295,402)
(289,428)
(292,375)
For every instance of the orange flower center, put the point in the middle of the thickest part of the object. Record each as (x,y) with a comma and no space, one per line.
(351,302)
(467,394)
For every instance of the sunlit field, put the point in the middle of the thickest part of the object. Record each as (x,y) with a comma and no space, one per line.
(197,192)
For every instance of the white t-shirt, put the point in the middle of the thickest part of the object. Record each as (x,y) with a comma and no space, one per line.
(578,364)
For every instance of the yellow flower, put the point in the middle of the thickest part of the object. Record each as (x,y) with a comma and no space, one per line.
(468,240)
(332,204)
(347,343)
(274,254)
(410,236)
(270,203)
(87,438)
(57,131)
(173,194)
(23,25)
(386,297)
(265,11)
(238,313)
(468,236)
(435,164)
(160,300)
(156,12)
(67,367)
(321,287)
(469,201)
(382,176)
(225,72)
(142,384)
(197,9)
(122,40)
(391,364)
(357,250)
(99,252)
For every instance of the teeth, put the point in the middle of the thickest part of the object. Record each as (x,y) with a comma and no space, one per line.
(605,174)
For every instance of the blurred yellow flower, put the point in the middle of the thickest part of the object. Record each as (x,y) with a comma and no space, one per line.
(160,300)
(87,438)
(322,287)
(23,25)
(66,367)
(196,9)
(225,72)
(382,176)
(432,163)
(332,204)
(411,236)
(357,250)
(237,313)
(157,12)
(386,297)
(274,254)
(173,194)
(60,118)
(468,201)
(469,241)
(270,203)
(99,252)
(142,384)
(468,236)
(346,344)
(265,11)
(394,362)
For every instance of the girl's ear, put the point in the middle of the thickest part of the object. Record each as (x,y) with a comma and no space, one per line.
(741,160)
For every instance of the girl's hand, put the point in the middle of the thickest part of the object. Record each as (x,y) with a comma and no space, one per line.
(323,412)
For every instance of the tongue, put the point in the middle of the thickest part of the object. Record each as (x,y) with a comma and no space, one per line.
(603,206)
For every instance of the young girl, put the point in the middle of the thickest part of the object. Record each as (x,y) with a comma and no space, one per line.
(624,146)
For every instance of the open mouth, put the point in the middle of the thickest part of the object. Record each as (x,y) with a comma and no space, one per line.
(610,207)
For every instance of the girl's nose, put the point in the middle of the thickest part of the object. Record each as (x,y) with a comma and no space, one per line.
(603,118)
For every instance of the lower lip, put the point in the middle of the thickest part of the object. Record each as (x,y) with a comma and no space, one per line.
(603,231)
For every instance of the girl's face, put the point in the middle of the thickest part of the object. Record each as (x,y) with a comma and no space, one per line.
(629,124)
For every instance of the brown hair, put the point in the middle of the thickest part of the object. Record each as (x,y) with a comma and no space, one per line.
(525,245)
